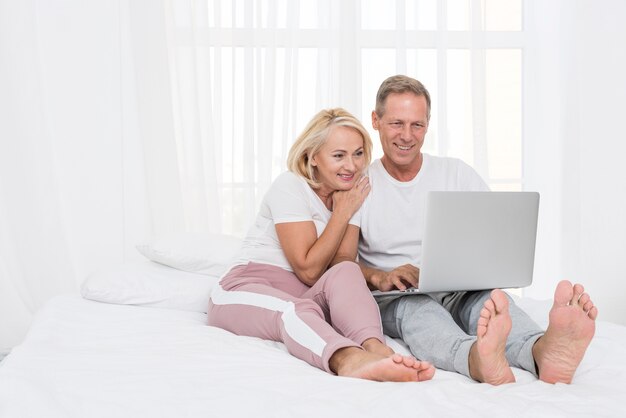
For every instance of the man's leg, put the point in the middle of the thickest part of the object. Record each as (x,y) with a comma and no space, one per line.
(429,331)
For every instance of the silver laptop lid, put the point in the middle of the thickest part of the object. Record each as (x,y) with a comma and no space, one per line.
(478,240)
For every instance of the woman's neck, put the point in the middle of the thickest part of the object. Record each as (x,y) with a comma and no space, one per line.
(326,196)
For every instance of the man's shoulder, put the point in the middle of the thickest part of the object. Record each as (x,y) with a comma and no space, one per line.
(455,173)
(445,162)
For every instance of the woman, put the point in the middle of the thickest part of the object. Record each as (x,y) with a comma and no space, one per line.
(295,280)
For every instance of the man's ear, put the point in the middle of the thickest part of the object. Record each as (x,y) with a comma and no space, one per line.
(375,121)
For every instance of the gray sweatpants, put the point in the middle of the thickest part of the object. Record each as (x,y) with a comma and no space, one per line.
(441,328)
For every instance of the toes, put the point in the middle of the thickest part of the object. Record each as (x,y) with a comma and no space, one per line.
(488,306)
(593,313)
(485,316)
(427,372)
(583,300)
(420,365)
(564,293)
(409,361)
(397,358)
(500,300)
(424,365)
(578,291)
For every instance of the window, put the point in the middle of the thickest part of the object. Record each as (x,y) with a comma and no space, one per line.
(248,75)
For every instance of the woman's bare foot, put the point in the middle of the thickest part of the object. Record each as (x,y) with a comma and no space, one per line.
(374,345)
(570,330)
(425,371)
(354,362)
(487,359)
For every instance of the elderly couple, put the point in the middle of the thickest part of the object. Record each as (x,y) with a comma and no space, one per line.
(297,279)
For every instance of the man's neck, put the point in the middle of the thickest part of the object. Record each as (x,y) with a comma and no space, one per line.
(403,172)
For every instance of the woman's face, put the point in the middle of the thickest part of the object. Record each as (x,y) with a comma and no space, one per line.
(340,161)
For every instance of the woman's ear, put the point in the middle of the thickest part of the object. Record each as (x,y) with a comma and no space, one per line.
(313,162)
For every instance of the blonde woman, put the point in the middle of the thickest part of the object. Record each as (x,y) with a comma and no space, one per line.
(295,280)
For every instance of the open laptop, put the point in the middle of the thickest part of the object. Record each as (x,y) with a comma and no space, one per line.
(477,240)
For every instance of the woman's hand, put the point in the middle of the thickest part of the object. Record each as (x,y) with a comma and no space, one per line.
(348,202)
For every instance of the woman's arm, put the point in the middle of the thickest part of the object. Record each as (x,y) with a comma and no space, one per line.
(309,255)
(348,248)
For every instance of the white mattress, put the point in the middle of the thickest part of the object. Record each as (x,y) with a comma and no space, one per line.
(88,359)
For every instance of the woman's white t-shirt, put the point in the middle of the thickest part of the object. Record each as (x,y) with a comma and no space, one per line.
(289,199)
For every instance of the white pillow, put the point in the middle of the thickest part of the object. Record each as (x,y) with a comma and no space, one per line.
(199,253)
(150,284)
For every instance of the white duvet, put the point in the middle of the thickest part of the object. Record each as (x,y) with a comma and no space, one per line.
(88,359)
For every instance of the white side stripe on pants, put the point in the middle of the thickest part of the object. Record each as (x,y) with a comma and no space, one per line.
(297,329)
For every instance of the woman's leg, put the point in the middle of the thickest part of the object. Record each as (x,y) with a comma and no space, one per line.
(347,303)
(252,306)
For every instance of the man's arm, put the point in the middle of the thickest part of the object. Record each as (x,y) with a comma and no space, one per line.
(399,278)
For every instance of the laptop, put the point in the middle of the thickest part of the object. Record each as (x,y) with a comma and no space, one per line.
(476,241)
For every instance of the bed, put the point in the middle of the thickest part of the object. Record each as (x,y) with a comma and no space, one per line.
(136,344)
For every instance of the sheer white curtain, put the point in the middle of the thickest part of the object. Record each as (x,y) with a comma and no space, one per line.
(35,261)
(246,76)
(72,184)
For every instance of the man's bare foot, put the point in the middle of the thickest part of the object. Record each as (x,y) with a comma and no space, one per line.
(487,359)
(570,330)
(354,362)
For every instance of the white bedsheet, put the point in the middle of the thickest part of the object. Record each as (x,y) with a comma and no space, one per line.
(88,359)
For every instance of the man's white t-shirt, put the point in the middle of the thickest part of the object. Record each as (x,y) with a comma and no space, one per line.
(289,199)
(392,217)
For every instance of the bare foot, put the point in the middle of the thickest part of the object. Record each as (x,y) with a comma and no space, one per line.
(374,345)
(572,325)
(487,357)
(354,362)
(425,370)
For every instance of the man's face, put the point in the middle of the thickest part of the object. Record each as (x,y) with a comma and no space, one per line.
(402,128)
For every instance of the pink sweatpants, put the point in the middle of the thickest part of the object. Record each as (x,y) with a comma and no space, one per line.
(268,302)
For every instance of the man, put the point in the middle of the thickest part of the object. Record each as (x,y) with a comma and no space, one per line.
(479,334)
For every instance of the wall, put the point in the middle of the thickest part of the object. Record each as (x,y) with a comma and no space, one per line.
(574,150)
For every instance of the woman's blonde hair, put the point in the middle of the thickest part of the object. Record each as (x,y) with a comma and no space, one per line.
(314,137)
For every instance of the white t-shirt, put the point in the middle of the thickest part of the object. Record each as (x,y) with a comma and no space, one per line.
(289,199)
(392,217)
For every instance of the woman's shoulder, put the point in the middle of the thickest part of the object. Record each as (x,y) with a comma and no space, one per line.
(288,184)
(288,179)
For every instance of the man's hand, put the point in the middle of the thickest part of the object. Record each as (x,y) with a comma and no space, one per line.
(401,278)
